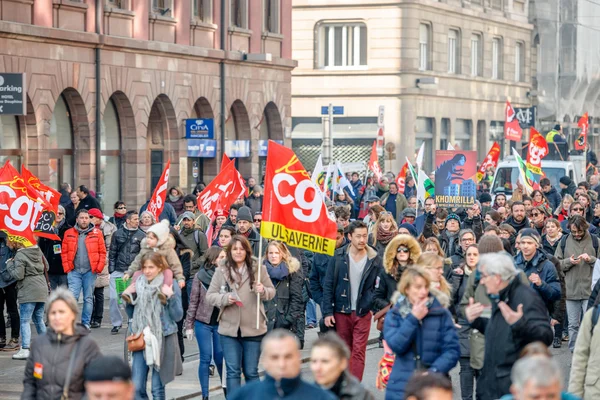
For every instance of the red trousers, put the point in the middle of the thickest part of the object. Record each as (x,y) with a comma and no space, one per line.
(355,332)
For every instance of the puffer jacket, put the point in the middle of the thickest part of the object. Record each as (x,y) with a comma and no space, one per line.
(52,250)
(379,246)
(390,274)
(171,313)
(578,277)
(125,246)
(233,318)
(167,250)
(584,380)
(287,305)
(27,268)
(46,368)
(549,290)
(433,338)
(108,230)
(94,243)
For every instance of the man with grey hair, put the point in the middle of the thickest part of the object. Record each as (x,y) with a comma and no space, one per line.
(282,361)
(536,377)
(517,317)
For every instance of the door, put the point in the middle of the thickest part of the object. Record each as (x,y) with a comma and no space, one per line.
(156,168)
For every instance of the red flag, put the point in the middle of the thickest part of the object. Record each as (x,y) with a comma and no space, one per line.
(48,193)
(512,129)
(224,161)
(293,209)
(222,191)
(401,178)
(374,162)
(584,124)
(157,202)
(538,149)
(490,161)
(21,207)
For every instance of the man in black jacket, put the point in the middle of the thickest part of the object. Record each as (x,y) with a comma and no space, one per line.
(124,247)
(518,220)
(518,317)
(86,200)
(348,293)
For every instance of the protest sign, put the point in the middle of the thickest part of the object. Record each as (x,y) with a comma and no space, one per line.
(455,176)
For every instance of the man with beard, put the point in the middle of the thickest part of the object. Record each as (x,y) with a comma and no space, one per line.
(576,209)
(195,240)
(394,202)
(518,220)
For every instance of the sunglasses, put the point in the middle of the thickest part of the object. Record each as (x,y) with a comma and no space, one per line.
(61,213)
(257,220)
(577,209)
(121,208)
(535,214)
(403,250)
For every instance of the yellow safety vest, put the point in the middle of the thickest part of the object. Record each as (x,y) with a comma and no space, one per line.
(550,136)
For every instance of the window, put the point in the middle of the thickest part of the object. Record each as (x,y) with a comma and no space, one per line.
(271,18)
(114,3)
(497,4)
(476,55)
(162,7)
(60,145)
(239,13)
(110,156)
(10,143)
(519,62)
(497,58)
(453,51)
(343,45)
(202,10)
(424,46)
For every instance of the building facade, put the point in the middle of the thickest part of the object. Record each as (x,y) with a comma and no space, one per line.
(443,70)
(159,64)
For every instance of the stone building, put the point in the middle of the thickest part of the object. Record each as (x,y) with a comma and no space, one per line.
(159,64)
(442,69)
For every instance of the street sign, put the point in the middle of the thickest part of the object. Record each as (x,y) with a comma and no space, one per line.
(380,116)
(13,99)
(337,110)
(380,141)
(526,116)
(200,128)
(202,148)
(390,147)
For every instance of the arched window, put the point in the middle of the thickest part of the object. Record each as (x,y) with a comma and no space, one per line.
(60,145)
(10,144)
(110,156)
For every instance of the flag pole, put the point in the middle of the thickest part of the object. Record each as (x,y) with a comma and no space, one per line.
(260,242)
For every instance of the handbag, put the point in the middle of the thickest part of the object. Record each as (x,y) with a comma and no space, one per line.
(65,392)
(136,342)
(384,370)
(379,317)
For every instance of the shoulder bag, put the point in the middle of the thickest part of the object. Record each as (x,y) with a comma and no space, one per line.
(136,342)
(65,392)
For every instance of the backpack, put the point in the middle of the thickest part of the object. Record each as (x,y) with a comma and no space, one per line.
(563,244)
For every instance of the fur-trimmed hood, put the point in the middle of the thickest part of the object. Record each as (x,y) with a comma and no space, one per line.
(392,247)
(166,246)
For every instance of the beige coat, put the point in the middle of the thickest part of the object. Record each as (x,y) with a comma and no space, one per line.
(585,369)
(233,317)
(167,250)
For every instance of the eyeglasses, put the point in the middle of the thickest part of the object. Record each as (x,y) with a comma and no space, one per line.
(385,213)
(257,220)
(61,213)
(403,250)
(535,214)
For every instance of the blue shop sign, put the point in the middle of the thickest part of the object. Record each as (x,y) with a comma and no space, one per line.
(200,128)
(263,146)
(202,148)
(237,148)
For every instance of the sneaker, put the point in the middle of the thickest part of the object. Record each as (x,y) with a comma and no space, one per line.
(22,354)
(95,325)
(557,343)
(115,330)
(565,337)
(211,370)
(311,326)
(13,345)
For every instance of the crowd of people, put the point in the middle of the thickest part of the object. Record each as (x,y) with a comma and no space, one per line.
(487,288)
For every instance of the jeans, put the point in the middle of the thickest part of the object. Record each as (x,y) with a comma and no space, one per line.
(98,310)
(78,283)
(139,376)
(467,376)
(311,312)
(57,280)
(8,295)
(240,353)
(116,319)
(355,332)
(575,311)
(29,311)
(209,344)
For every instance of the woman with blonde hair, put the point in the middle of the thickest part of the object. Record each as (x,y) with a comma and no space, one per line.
(432,245)
(562,212)
(384,230)
(434,265)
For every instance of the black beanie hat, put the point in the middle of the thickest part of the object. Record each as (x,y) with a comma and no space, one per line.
(107,368)
(565,180)
(485,198)
(532,234)
(245,214)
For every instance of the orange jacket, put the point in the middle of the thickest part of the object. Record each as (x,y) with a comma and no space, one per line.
(94,243)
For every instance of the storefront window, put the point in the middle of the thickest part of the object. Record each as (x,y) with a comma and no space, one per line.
(10,148)
(60,145)
(110,157)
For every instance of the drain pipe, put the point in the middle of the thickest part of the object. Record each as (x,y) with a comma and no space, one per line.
(222,77)
(98,101)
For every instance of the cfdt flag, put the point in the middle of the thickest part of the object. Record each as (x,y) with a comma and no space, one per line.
(374,162)
(401,178)
(455,176)
(584,124)
(526,176)
(512,129)
(20,207)
(293,210)
(157,201)
(538,149)
(490,161)
(222,191)
(44,226)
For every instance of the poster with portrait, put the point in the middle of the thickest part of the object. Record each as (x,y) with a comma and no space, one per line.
(455,178)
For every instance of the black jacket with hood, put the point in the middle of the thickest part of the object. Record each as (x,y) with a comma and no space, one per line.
(52,250)
(124,247)
(518,225)
(287,306)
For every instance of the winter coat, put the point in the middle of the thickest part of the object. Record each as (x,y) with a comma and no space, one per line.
(232,317)
(254,240)
(388,278)
(124,247)
(554,198)
(549,290)
(177,204)
(504,343)
(167,250)
(198,308)
(88,203)
(5,254)
(459,284)
(317,277)
(27,268)
(401,204)
(118,221)
(94,243)
(46,368)
(578,277)
(168,212)
(52,250)
(433,339)
(336,290)
(255,204)
(456,259)
(549,248)
(584,380)
(564,225)
(443,238)
(170,315)
(287,305)
(290,389)
(518,225)
(349,388)
(108,230)
(379,246)
(475,224)
(196,241)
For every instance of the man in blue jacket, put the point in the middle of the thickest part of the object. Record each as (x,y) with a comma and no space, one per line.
(554,198)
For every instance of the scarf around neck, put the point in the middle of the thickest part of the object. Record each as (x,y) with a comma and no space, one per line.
(277,273)
(385,236)
(173,199)
(148,308)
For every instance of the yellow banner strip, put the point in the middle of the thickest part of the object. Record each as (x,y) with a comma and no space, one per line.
(303,240)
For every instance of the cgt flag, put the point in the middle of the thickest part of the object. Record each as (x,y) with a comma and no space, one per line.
(222,192)
(293,210)
(538,149)
(491,161)
(374,162)
(157,201)
(20,207)
(512,128)
(584,124)
(401,178)
(44,226)
(224,161)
